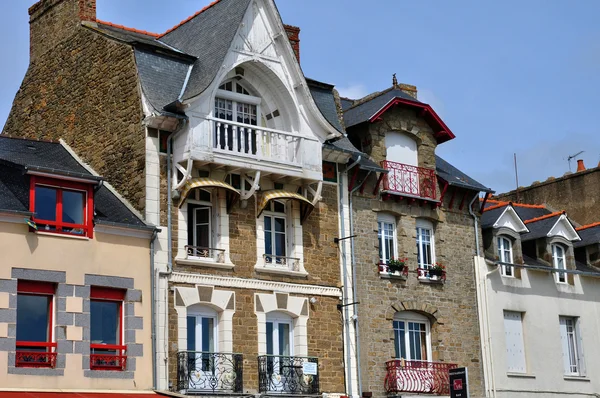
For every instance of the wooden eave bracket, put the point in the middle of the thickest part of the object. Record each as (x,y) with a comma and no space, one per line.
(254,185)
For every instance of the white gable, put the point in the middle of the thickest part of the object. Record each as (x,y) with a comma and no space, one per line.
(563,228)
(510,219)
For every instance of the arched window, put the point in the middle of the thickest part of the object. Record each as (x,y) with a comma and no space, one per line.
(559,262)
(412,336)
(234,104)
(505,255)
(401,148)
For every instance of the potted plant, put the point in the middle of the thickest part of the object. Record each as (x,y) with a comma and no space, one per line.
(437,270)
(396,265)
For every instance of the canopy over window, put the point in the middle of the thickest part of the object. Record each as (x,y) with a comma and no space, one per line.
(203,182)
(306,206)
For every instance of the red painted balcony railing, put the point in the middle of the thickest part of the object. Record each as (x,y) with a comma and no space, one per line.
(417,377)
(409,180)
(108,357)
(35,354)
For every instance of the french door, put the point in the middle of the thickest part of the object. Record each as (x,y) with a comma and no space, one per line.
(202,330)
(280,338)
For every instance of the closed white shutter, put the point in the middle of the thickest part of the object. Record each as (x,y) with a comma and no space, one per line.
(564,342)
(515,347)
(580,352)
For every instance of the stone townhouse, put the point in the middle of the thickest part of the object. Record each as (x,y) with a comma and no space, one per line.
(538,283)
(75,277)
(213,132)
(415,222)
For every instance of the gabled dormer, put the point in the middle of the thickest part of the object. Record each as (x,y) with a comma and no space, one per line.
(401,133)
(587,250)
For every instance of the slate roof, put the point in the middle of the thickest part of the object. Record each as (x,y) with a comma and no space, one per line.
(322,93)
(489,217)
(130,36)
(456,177)
(346,103)
(207,36)
(19,155)
(589,236)
(364,109)
(538,229)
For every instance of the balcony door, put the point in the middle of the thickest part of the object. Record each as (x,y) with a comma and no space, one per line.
(202,346)
(280,341)
(412,336)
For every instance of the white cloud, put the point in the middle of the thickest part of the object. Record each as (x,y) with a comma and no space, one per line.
(353,91)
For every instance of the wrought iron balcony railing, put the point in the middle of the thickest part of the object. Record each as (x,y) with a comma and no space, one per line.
(209,372)
(257,142)
(108,357)
(35,354)
(289,263)
(417,377)
(288,375)
(404,179)
(199,252)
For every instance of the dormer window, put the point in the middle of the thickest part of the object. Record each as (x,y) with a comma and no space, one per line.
(62,207)
(505,255)
(559,262)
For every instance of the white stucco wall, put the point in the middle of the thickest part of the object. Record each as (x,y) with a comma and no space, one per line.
(542,302)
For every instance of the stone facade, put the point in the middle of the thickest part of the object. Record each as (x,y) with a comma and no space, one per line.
(451,307)
(576,193)
(82,87)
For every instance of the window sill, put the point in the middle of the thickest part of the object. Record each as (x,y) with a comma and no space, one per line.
(58,235)
(203,263)
(424,279)
(280,271)
(576,378)
(394,276)
(521,375)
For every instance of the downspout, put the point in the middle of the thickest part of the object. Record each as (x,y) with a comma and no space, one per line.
(354,294)
(153,312)
(482,305)
(345,276)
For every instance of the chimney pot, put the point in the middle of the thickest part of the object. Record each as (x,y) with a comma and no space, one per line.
(580,165)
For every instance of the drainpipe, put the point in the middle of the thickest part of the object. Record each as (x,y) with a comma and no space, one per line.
(345,276)
(153,312)
(482,304)
(354,294)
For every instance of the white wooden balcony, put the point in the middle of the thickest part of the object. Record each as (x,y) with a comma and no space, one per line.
(252,147)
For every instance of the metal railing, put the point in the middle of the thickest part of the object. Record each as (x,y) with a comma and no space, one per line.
(108,357)
(209,372)
(205,252)
(35,354)
(409,180)
(256,142)
(289,263)
(417,377)
(288,375)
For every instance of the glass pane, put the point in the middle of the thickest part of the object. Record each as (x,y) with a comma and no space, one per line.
(280,244)
(73,206)
(279,224)
(284,339)
(400,339)
(32,317)
(204,195)
(202,215)
(208,331)
(191,333)
(45,203)
(269,338)
(278,207)
(105,322)
(202,236)
(415,341)
(268,236)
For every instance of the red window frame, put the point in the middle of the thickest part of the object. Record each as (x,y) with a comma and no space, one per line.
(118,359)
(60,186)
(30,358)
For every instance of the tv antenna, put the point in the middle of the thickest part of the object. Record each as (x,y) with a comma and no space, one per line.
(573,157)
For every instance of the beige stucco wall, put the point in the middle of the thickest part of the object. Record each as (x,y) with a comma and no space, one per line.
(105,254)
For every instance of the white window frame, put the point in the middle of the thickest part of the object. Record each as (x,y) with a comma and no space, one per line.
(272,214)
(515,342)
(384,220)
(572,347)
(505,255)
(276,319)
(425,225)
(411,317)
(205,312)
(213,206)
(560,277)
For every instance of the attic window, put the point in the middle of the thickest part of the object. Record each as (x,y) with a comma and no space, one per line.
(234,87)
(61,207)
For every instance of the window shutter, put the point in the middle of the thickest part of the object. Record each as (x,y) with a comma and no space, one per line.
(515,349)
(580,353)
(565,346)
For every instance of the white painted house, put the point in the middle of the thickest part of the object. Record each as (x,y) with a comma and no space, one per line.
(539,306)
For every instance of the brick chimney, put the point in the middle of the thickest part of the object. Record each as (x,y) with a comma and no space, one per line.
(405,88)
(52,21)
(293,34)
(580,165)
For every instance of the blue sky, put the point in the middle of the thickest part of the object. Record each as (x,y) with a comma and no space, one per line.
(507,77)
